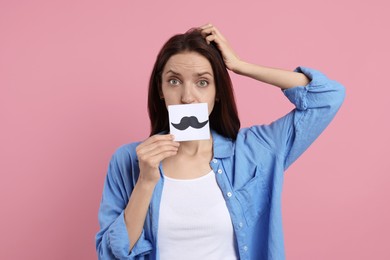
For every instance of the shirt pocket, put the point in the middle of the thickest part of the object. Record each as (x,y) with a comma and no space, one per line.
(254,197)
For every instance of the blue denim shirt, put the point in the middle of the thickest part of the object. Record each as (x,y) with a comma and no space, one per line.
(249,172)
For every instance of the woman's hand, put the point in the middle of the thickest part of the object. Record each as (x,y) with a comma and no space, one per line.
(283,79)
(151,152)
(212,34)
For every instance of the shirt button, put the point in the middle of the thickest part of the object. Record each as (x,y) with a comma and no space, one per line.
(229,194)
(245,248)
(219,171)
(240,224)
(215,160)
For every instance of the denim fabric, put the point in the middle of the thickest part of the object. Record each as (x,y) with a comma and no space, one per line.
(249,172)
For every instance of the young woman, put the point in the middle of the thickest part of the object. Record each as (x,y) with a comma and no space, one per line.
(217,198)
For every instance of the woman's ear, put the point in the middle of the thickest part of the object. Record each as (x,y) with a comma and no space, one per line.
(160,93)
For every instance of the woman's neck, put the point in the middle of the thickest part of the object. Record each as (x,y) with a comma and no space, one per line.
(192,148)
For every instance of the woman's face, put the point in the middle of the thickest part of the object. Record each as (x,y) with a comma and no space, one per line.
(188,78)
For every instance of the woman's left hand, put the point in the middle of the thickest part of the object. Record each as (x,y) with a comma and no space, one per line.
(212,34)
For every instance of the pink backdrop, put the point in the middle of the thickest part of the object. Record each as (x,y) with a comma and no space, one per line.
(73,79)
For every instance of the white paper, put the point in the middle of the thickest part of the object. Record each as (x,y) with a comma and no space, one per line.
(180,116)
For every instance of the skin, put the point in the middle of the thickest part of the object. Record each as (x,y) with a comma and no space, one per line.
(188,78)
(185,82)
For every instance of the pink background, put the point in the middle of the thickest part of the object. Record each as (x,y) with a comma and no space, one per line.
(73,80)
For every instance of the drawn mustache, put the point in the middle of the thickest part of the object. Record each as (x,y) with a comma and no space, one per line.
(188,121)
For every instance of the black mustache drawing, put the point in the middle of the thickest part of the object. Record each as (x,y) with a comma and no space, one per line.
(188,121)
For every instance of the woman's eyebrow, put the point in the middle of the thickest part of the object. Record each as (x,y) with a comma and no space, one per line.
(173,72)
(203,73)
(197,74)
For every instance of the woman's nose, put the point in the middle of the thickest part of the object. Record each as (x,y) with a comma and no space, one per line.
(187,96)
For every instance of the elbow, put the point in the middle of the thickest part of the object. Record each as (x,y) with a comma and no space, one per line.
(338,95)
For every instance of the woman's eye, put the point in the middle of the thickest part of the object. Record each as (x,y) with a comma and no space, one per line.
(203,83)
(174,82)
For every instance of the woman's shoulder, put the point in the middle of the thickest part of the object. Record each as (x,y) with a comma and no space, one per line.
(126,151)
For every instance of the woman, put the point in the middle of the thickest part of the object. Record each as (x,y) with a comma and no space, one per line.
(217,198)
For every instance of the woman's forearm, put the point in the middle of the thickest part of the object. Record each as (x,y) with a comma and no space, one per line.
(283,79)
(136,209)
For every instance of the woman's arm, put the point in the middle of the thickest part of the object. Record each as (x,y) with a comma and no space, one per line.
(127,195)
(316,98)
(136,209)
(283,79)
(150,153)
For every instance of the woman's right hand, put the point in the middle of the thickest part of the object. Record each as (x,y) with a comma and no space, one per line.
(151,152)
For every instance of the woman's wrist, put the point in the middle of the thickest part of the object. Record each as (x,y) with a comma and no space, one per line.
(146,183)
(239,67)
(244,68)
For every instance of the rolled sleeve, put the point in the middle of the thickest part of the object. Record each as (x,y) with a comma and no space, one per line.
(316,104)
(118,241)
(319,92)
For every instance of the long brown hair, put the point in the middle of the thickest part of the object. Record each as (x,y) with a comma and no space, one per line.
(224,117)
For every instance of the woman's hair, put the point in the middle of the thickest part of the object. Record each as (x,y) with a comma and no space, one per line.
(224,117)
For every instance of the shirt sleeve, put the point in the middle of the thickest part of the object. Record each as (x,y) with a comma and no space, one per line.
(316,104)
(112,241)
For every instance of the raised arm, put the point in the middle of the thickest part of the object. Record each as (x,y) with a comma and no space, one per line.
(316,98)
(283,79)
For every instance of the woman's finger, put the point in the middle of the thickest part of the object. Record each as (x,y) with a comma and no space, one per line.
(155,138)
(154,157)
(208,25)
(207,31)
(154,148)
(163,155)
(212,30)
(210,38)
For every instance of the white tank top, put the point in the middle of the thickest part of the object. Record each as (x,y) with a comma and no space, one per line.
(194,222)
